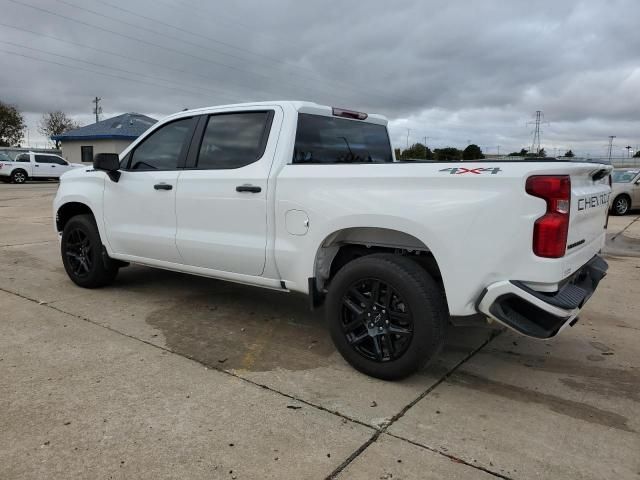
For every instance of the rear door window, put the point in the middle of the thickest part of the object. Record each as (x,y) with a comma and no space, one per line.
(234,140)
(44,159)
(323,140)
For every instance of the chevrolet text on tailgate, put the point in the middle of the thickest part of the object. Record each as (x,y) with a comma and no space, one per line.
(295,196)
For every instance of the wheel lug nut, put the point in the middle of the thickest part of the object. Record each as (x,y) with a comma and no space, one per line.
(374,308)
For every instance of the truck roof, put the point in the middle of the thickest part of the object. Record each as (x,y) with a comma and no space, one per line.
(300,106)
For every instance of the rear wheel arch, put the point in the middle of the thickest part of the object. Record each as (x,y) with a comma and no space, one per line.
(345,245)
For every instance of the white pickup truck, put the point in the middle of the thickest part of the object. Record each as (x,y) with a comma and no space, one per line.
(295,196)
(34,165)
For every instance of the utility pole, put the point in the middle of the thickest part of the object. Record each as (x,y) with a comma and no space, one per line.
(611,137)
(628,147)
(498,150)
(426,151)
(408,132)
(97,110)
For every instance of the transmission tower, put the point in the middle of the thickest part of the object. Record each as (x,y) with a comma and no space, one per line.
(97,110)
(611,137)
(535,145)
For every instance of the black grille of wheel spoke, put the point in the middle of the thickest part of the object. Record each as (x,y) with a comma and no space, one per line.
(376,320)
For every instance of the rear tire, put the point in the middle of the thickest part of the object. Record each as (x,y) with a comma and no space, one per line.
(83,256)
(621,205)
(19,176)
(386,315)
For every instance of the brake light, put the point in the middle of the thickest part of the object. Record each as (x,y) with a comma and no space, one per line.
(341,112)
(551,230)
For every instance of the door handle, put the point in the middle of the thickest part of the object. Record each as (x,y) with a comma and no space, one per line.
(248,188)
(53,166)
(162,186)
(36,166)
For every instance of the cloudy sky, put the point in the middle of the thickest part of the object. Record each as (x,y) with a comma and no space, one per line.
(454,72)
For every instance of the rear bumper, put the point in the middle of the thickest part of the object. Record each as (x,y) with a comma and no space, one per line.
(537,314)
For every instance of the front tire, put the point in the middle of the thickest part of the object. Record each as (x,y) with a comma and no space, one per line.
(386,315)
(82,254)
(621,205)
(18,176)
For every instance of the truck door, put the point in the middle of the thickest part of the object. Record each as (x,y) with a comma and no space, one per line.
(139,209)
(44,166)
(222,197)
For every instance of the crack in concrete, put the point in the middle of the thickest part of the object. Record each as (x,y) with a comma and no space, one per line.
(377,432)
(406,408)
(208,366)
(450,457)
(26,243)
(625,228)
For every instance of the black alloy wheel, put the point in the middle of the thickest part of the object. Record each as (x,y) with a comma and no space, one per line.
(387,316)
(376,321)
(78,252)
(83,254)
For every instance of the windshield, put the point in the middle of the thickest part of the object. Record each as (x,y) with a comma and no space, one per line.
(321,139)
(623,176)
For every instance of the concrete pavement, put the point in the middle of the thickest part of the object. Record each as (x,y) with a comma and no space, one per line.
(165,375)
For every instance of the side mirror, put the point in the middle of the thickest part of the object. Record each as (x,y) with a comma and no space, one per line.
(109,163)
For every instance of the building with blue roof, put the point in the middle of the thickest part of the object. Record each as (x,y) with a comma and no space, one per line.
(112,135)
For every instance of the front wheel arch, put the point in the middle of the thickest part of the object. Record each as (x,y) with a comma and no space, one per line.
(69,210)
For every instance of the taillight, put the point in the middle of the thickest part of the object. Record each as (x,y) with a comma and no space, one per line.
(550,231)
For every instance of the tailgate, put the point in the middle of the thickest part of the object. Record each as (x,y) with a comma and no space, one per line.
(589,206)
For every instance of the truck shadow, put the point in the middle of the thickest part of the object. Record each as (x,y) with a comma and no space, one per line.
(239,327)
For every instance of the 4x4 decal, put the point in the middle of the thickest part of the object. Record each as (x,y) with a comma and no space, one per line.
(476,171)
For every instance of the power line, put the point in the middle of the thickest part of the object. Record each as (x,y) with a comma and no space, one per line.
(253,30)
(208,61)
(204,90)
(181,39)
(134,59)
(120,77)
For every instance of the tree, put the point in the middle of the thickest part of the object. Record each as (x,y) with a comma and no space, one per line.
(447,154)
(541,153)
(569,154)
(521,153)
(11,125)
(397,152)
(55,123)
(472,152)
(417,151)
(637,154)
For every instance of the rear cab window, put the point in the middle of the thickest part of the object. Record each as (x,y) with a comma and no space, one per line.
(328,140)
